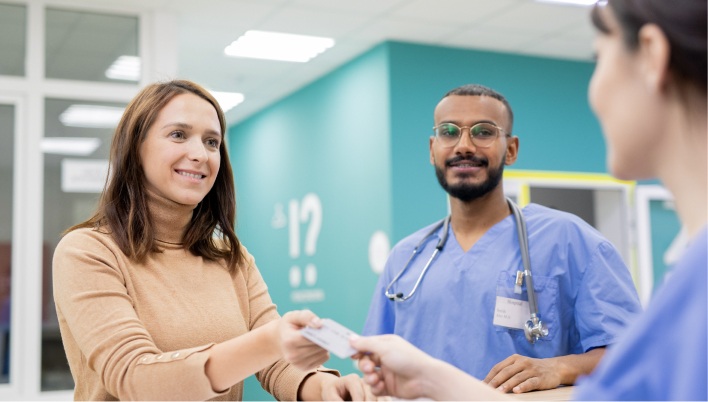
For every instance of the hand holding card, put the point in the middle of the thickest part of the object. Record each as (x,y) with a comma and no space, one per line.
(332,336)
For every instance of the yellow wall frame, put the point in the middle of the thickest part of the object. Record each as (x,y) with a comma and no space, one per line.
(528,178)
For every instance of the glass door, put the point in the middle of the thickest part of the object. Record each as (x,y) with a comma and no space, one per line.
(7,139)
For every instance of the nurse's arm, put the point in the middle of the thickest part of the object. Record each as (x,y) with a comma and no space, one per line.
(522,374)
(405,371)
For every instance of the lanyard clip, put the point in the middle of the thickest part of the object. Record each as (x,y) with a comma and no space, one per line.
(519,282)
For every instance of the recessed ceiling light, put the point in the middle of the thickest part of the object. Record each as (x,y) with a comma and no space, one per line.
(125,68)
(93,116)
(69,145)
(227,100)
(585,3)
(278,46)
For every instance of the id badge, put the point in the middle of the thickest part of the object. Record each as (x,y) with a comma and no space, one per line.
(511,309)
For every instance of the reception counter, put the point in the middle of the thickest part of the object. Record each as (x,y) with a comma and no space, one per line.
(558,394)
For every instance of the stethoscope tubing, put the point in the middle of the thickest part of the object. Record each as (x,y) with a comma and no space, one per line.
(523,245)
(399,296)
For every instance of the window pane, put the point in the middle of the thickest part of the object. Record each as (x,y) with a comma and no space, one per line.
(7,123)
(13,23)
(76,144)
(91,46)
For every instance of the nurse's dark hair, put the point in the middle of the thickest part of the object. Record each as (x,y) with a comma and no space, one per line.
(682,21)
(123,210)
(481,90)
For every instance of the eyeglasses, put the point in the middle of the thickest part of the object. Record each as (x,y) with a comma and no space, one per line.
(482,134)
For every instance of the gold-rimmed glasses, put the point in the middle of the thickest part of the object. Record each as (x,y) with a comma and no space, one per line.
(482,134)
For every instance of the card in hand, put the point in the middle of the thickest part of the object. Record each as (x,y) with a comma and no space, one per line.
(332,336)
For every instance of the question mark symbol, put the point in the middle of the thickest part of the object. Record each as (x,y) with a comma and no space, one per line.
(311,209)
(300,212)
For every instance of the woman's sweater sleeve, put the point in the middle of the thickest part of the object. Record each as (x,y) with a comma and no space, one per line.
(90,291)
(280,379)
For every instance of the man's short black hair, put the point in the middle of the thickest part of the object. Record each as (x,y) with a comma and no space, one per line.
(481,90)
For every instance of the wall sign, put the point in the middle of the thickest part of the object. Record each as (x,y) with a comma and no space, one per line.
(300,212)
(83,175)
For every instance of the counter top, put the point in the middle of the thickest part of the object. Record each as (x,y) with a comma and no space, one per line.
(557,394)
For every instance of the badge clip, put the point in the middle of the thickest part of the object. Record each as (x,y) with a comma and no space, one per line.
(519,282)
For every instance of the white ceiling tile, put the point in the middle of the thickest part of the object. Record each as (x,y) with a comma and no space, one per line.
(540,17)
(452,11)
(582,30)
(391,29)
(369,7)
(561,48)
(490,38)
(313,22)
(201,27)
(224,11)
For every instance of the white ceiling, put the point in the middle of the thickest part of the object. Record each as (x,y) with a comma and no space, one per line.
(206,27)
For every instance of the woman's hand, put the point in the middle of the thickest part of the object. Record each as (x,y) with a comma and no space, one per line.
(295,348)
(347,388)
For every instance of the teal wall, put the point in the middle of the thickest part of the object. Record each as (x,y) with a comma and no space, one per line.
(332,139)
(552,118)
(358,138)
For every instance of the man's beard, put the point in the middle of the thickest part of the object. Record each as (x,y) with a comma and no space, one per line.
(468,192)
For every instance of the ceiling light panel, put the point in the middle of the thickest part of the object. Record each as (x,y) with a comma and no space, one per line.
(278,46)
(69,145)
(227,100)
(125,68)
(586,3)
(93,116)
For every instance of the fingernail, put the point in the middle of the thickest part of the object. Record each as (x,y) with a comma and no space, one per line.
(354,337)
(371,378)
(315,322)
(516,389)
(501,388)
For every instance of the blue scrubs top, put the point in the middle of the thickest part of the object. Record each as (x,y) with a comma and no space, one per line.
(665,353)
(585,292)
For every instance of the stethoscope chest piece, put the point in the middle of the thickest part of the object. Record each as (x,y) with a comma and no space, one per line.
(534,328)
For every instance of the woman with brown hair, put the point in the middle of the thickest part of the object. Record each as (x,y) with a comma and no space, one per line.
(156,297)
(649,91)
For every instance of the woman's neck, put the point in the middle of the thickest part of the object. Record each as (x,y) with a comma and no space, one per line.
(684,167)
(170,219)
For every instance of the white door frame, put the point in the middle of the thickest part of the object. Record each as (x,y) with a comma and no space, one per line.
(643,196)
(16,274)
(158,52)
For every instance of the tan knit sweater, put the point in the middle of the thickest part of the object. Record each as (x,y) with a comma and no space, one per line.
(140,331)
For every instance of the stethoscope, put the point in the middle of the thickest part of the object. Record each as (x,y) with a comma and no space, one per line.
(534,328)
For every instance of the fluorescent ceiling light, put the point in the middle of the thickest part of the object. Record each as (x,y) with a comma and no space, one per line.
(278,46)
(93,116)
(69,145)
(227,100)
(586,3)
(125,68)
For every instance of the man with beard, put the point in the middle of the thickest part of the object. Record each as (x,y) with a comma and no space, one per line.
(468,309)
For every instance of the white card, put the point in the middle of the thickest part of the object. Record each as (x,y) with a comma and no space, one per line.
(332,336)
(511,313)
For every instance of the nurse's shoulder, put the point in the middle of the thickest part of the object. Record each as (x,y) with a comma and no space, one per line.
(560,225)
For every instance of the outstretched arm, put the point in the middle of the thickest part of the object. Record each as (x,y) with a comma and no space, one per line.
(407,372)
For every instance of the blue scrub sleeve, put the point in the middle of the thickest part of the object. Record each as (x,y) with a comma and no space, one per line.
(664,354)
(382,314)
(607,300)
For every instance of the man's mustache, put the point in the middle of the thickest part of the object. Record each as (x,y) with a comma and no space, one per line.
(471,159)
